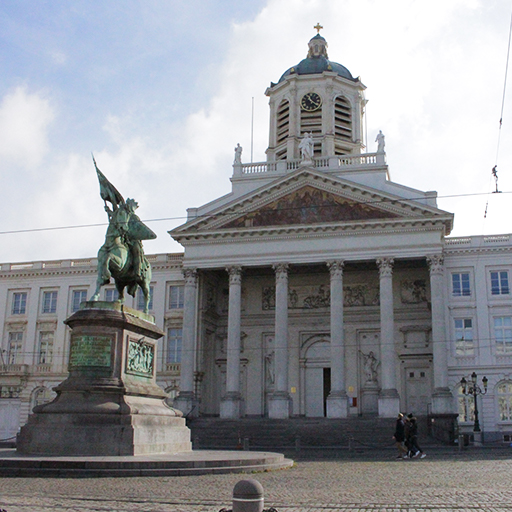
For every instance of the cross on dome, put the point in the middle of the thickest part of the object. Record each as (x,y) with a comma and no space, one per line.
(318,27)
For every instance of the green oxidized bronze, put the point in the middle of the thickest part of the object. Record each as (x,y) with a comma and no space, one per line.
(122,256)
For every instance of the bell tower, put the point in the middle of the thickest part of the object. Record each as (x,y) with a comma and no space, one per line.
(320,97)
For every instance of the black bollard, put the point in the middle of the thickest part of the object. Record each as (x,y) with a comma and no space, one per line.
(248,496)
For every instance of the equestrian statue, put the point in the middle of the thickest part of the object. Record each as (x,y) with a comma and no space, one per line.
(122,256)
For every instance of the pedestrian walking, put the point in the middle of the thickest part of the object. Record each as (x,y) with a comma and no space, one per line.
(414,448)
(399,437)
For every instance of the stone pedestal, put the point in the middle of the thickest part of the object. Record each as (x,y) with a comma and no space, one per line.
(279,406)
(110,403)
(370,398)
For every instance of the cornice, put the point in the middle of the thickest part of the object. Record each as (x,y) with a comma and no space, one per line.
(8,274)
(448,251)
(360,228)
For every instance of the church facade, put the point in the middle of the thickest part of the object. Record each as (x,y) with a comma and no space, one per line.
(317,287)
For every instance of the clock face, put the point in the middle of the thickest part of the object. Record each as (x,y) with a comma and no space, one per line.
(310,102)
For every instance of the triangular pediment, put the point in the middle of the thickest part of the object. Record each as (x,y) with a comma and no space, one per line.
(309,199)
(309,205)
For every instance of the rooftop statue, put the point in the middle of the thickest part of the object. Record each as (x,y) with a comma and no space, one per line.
(381,142)
(122,256)
(306,147)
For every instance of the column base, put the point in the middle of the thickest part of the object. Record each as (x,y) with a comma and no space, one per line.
(442,401)
(389,403)
(337,404)
(187,403)
(279,405)
(230,406)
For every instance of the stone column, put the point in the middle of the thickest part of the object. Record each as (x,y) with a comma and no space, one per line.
(279,401)
(185,401)
(337,401)
(389,400)
(230,402)
(442,399)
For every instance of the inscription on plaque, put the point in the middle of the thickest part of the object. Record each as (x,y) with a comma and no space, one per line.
(90,351)
(140,358)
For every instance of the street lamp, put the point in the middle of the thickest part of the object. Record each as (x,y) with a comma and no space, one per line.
(472,388)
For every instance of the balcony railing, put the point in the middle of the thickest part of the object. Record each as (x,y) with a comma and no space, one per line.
(173,367)
(334,163)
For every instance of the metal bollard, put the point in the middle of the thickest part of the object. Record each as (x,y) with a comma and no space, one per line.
(246,444)
(297,443)
(461,442)
(248,496)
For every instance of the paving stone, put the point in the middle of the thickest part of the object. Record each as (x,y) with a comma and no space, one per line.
(320,482)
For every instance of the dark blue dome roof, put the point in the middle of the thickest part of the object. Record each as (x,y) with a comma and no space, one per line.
(317,65)
(317,62)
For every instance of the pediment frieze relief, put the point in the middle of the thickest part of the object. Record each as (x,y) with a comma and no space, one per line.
(309,205)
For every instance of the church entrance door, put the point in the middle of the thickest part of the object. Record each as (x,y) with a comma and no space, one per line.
(317,379)
(418,388)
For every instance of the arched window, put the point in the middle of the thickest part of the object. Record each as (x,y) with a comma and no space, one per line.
(342,119)
(504,394)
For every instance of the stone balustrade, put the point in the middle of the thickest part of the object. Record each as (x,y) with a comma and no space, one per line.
(334,163)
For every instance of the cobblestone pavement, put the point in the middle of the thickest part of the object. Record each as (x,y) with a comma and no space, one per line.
(445,481)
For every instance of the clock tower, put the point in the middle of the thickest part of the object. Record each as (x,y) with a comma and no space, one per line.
(320,97)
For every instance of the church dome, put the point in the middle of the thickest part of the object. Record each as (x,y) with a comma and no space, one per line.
(317,62)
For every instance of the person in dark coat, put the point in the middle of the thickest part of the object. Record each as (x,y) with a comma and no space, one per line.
(414,448)
(399,437)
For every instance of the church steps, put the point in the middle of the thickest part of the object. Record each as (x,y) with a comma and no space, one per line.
(265,433)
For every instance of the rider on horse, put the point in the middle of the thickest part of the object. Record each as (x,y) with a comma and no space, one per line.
(122,255)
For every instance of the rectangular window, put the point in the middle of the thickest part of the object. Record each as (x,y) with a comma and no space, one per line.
(464,337)
(174,338)
(14,349)
(49,302)
(176,297)
(460,285)
(19,303)
(45,349)
(111,294)
(140,299)
(499,283)
(503,334)
(79,296)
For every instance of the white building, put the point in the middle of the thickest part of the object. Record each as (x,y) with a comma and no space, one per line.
(317,287)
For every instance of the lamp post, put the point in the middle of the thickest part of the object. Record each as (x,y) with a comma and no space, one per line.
(472,388)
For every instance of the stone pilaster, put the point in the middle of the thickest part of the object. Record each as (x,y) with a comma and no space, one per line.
(389,400)
(337,401)
(442,399)
(230,402)
(186,400)
(279,401)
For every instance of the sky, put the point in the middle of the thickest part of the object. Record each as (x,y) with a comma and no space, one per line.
(161,92)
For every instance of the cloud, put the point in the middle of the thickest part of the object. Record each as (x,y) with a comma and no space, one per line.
(24,122)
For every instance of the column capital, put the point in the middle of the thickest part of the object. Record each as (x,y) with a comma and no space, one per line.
(281,270)
(435,264)
(385,266)
(336,268)
(235,274)
(190,275)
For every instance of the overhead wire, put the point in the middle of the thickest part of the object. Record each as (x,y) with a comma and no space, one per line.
(494,170)
(234,214)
